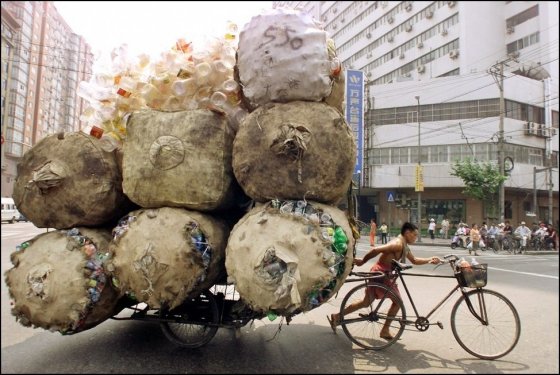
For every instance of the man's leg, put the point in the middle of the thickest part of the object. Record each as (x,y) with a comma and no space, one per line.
(385,333)
(353,307)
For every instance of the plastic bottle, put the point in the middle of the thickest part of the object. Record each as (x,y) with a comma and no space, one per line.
(340,240)
(474,262)
(110,142)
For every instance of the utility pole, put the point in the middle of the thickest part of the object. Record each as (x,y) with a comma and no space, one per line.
(419,181)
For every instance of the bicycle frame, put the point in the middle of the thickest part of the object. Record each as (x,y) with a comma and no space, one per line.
(397,274)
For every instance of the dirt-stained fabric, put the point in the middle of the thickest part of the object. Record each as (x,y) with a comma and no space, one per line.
(59,280)
(67,180)
(286,257)
(294,150)
(283,56)
(179,159)
(163,255)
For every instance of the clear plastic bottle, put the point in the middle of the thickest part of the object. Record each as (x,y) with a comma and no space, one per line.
(110,142)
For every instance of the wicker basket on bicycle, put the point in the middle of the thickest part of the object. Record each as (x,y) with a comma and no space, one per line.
(472,276)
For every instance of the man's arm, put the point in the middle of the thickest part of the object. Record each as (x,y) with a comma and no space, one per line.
(387,248)
(420,261)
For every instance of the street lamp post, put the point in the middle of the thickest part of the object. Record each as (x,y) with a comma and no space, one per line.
(418,170)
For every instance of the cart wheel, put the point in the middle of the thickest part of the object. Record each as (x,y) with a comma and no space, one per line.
(194,323)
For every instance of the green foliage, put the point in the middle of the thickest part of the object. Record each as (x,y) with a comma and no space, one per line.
(482,180)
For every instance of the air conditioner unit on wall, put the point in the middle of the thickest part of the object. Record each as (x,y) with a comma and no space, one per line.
(408,6)
(421,68)
(420,45)
(429,14)
(368,74)
(368,35)
(389,38)
(444,32)
(390,20)
(408,27)
(530,128)
(454,53)
(451,4)
(369,55)
(510,30)
(401,56)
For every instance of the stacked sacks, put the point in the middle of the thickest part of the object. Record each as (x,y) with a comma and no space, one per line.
(163,255)
(283,56)
(60,282)
(307,149)
(296,152)
(67,180)
(289,256)
(179,159)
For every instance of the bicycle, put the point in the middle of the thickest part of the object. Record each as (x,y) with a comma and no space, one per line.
(484,322)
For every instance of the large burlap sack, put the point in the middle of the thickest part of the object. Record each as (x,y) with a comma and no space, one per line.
(162,255)
(179,159)
(59,280)
(294,150)
(289,256)
(67,180)
(283,56)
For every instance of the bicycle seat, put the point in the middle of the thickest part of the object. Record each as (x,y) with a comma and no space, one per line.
(401,266)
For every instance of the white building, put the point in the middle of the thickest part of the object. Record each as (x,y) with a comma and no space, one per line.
(444,53)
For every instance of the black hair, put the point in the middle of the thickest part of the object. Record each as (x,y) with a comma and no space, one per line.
(408,227)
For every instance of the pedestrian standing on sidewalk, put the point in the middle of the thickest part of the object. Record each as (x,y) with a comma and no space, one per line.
(475,238)
(445,228)
(432,229)
(372,232)
(383,228)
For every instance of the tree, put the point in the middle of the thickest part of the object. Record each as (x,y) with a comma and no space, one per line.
(482,181)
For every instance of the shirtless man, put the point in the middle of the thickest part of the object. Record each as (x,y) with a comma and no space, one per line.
(396,249)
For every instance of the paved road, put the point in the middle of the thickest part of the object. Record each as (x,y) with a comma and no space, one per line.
(307,345)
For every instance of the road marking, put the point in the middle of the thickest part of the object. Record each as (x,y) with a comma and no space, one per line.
(524,273)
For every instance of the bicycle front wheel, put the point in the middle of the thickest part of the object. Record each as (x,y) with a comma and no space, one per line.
(499,333)
(363,326)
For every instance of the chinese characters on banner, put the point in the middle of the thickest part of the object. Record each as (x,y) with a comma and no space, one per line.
(419,186)
(355,112)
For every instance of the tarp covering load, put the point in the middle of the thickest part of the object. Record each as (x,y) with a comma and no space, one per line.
(294,150)
(288,257)
(67,180)
(162,255)
(284,56)
(59,280)
(179,159)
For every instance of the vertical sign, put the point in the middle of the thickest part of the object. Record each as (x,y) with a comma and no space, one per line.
(419,186)
(355,112)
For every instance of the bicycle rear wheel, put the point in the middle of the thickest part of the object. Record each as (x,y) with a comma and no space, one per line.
(486,341)
(363,326)
(194,323)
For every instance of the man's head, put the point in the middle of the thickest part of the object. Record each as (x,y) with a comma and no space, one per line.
(410,232)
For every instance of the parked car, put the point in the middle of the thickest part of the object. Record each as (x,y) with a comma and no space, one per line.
(9,210)
(22,217)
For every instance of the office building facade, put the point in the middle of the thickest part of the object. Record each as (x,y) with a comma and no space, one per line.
(435,74)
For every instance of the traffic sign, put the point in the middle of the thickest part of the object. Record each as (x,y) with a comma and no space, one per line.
(390,196)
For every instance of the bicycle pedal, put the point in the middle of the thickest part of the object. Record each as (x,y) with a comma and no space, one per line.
(440,325)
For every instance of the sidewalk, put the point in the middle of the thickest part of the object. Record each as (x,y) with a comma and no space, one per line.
(440,242)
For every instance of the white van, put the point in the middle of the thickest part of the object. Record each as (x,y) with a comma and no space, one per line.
(9,210)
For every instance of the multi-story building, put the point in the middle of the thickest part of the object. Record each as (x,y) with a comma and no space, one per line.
(47,62)
(447,61)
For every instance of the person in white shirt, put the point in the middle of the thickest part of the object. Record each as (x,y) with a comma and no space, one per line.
(432,228)
(522,232)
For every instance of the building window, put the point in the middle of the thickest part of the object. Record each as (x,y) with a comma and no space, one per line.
(523,16)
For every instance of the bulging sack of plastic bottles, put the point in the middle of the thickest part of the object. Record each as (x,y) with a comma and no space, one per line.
(163,255)
(59,281)
(287,257)
(284,56)
(294,150)
(68,180)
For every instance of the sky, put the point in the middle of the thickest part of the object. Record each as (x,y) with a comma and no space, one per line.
(152,26)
